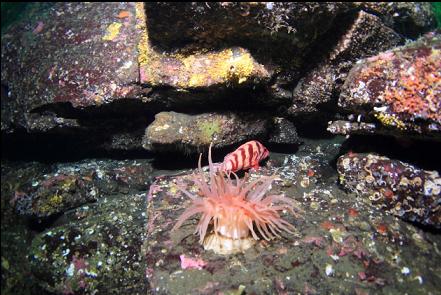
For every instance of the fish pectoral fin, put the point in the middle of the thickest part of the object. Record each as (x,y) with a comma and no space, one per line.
(255,167)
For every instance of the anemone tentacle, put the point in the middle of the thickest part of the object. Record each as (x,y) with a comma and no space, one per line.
(236,208)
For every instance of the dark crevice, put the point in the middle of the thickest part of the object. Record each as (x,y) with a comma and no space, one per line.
(425,228)
(313,126)
(283,148)
(406,27)
(245,97)
(63,147)
(121,108)
(422,154)
(41,224)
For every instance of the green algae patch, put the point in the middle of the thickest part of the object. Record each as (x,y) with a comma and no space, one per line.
(208,130)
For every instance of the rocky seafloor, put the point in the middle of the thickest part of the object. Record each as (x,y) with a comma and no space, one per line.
(121,242)
(105,108)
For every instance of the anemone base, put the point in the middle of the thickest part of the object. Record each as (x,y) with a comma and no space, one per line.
(225,246)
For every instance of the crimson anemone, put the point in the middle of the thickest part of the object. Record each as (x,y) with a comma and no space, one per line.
(235,209)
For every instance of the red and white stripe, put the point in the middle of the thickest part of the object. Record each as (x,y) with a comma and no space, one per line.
(246,156)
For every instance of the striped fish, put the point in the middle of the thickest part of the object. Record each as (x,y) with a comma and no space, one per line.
(246,156)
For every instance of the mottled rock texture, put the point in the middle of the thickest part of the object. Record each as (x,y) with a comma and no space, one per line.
(69,75)
(67,186)
(345,127)
(287,27)
(98,251)
(408,18)
(404,190)
(283,132)
(229,66)
(77,245)
(277,41)
(15,234)
(69,53)
(399,90)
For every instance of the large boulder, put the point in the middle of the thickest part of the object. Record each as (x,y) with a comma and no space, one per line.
(283,27)
(84,54)
(173,131)
(89,231)
(248,51)
(410,19)
(68,186)
(399,91)
(70,70)
(404,190)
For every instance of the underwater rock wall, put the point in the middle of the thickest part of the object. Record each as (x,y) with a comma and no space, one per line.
(77,68)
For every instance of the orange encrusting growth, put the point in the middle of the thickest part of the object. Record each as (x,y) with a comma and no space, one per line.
(416,89)
(236,208)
